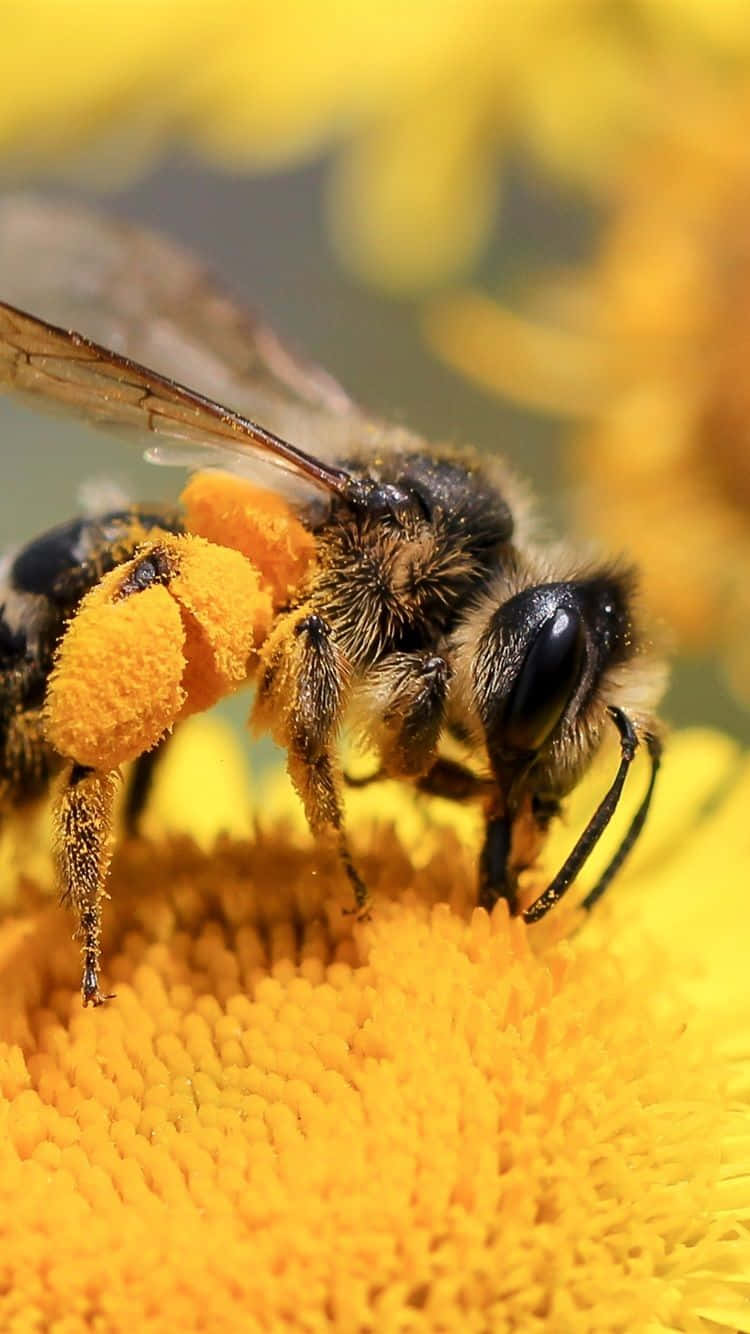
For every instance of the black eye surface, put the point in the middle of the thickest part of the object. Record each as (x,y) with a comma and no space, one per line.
(545,683)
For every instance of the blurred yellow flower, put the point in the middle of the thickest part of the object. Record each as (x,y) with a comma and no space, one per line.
(435,1121)
(422,101)
(653,345)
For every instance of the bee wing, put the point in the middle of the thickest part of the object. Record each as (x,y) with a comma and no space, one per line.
(81,377)
(149,303)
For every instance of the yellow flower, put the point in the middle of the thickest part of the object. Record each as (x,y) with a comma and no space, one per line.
(423,101)
(652,346)
(434,1121)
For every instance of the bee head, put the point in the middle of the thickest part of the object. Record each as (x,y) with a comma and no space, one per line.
(538,668)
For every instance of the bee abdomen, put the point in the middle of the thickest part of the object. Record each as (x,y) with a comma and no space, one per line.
(66,561)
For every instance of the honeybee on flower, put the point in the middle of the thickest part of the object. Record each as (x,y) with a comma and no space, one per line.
(352,571)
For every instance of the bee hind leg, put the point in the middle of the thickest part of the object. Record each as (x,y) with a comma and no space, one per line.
(83,838)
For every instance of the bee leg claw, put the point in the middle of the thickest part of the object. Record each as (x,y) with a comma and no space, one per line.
(361,911)
(97,998)
(361,907)
(90,993)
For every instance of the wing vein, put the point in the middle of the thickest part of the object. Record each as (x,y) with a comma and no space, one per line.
(99,384)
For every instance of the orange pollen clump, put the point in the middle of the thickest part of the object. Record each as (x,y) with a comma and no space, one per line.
(128,667)
(235,513)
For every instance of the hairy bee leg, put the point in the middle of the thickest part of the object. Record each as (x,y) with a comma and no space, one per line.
(310,697)
(83,819)
(407,692)
(305,688)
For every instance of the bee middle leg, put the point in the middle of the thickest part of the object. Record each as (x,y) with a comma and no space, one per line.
(497,878)
(497,870)
(300,698)
(445,778)
(454,782)
(405,695)
(83,818)
(512,843)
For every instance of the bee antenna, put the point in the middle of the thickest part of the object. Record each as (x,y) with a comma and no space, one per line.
(598,823)
(654,747)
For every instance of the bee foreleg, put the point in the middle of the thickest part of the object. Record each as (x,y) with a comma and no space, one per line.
(512,843)
(83,818)
(454,782)
(405,694)
(496,880)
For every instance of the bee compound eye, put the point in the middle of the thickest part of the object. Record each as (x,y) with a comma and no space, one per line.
(546,681)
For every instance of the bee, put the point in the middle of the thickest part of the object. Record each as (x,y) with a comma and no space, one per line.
(424,610)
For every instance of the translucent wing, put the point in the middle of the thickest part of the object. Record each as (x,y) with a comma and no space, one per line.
(79,376)
(149,303)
